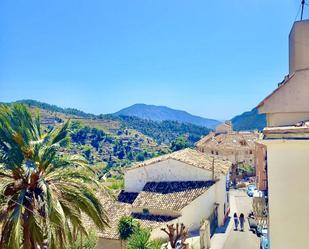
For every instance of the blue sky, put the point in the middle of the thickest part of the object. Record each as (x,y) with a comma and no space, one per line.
(211,58)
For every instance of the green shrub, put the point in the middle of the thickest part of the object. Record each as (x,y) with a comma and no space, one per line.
(141,240)
(88,242)
(126,227)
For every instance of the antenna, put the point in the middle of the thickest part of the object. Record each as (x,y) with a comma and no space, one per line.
(302,9)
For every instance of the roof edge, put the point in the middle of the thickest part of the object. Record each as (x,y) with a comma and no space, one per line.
(283,83)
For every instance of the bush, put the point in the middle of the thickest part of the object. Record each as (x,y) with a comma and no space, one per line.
(88,242)
(141,240)
(126,227)
(246,170)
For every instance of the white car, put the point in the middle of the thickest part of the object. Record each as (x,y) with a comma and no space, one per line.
(250,189)
(257,193)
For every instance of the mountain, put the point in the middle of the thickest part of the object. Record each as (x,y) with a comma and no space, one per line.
(251,120)
(116,140)
(162,113)
(54,108)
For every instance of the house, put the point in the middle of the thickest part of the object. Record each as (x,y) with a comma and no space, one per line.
(225,127)
(286,139)
(237,147)
(186,186)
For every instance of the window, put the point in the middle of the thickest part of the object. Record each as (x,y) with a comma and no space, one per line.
(212,152)
(217,153)
(250,152)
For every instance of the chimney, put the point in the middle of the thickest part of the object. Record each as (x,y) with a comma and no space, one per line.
(299,46)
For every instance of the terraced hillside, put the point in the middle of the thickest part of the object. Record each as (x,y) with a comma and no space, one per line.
(116,141)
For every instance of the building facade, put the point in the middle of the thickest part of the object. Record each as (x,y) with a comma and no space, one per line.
(237,147)
(286,138)
(261,167)
(182,187)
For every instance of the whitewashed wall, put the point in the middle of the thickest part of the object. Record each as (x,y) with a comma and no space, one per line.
(201,208)
(168,170)
(288,184)
(221,199)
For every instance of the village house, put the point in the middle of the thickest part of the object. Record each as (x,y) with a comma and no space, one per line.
(186,186)
(261,167)
(286,139)
(237,147)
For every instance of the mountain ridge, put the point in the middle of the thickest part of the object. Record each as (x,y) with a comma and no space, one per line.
(248,121)
(162,113)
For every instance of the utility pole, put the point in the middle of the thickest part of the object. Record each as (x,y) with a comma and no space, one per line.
(213,168)
(302,9)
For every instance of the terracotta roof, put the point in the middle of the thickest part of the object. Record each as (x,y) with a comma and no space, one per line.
(171,196)
(191,157)
(232,140)
(116,209)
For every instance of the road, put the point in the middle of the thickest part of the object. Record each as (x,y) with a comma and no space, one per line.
(245,239)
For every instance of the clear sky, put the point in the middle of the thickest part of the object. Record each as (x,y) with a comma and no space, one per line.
(211,58)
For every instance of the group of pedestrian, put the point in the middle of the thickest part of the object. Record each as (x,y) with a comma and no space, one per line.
(240,220)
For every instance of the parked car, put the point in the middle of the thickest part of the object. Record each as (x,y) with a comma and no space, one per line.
(250,190)
(254,227)
(252,222)
(257,193)
(264,242)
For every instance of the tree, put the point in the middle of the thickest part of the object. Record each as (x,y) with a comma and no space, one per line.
(126,227)
(140,157)
(180,143)
(87,151)
(141,240)
(175,234)
(43,194)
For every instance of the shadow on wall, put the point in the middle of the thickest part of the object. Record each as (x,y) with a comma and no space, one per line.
(223,228)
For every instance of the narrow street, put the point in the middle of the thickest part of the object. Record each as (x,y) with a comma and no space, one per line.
(238,239)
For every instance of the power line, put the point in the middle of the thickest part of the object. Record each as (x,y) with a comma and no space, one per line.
(299,8)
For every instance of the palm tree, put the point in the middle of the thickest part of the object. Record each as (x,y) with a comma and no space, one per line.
(43,193)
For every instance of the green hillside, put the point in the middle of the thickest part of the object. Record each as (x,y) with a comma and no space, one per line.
(117,141)
(249,121)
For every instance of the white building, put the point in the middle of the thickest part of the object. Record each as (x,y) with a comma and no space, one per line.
(186,186)
(287,143)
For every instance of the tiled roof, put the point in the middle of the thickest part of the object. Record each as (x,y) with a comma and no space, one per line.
(116,209)
(151,218)
(191,157)
(233,140)
(171,196)
(160,195)
(127,197)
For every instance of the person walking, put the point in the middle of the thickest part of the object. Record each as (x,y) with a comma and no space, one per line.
(242,221)
(236,221)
